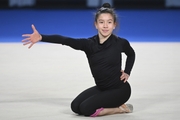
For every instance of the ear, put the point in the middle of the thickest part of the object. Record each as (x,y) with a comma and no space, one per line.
(95,24)
(115,24)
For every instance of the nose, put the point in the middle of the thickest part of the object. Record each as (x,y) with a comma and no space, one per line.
(105,25)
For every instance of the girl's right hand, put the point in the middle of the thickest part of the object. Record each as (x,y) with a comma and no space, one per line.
(31,38)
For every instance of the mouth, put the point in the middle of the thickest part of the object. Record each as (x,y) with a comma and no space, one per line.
(105,31)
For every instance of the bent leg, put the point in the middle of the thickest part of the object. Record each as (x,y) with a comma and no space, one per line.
(106,99)
(82,97)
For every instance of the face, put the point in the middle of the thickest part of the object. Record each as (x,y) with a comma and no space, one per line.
(105,25)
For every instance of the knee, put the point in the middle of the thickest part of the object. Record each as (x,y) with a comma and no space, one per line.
(86,110)
(75,107)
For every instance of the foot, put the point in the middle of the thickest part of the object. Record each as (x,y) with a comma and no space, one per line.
(126,108)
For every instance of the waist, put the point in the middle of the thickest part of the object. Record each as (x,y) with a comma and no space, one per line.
(109,84)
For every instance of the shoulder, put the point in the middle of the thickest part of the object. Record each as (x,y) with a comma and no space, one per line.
(120,40)
(93,39)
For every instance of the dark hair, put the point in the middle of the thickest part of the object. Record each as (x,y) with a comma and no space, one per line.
(106,8)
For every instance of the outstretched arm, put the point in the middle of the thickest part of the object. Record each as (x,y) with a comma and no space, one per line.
(31,39)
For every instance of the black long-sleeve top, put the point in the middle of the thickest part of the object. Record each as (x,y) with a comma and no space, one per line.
(104,59)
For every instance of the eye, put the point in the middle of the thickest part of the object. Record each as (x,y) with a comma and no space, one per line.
(110,22)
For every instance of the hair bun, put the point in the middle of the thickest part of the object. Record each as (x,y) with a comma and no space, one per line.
(106,5)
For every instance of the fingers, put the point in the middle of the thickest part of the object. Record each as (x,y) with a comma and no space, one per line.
(26,43)
(33,28)
(26,35)
(31,45)
(26,40)
(124,77)
(125,80)
(29,38)
(29,42)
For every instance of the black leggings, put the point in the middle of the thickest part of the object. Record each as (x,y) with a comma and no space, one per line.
(87,102)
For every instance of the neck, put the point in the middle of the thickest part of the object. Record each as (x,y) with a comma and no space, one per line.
(102,39)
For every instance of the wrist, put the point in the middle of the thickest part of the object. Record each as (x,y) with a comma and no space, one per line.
(40,37)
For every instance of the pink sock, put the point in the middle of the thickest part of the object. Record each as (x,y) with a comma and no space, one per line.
(97,112)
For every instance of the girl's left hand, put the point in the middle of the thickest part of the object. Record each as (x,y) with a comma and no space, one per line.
(124,77)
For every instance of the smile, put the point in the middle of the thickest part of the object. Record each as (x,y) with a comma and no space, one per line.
(105,30)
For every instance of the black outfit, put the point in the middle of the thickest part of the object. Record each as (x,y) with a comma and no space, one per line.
(105,64)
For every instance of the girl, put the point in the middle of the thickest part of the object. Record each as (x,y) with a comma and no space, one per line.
(103,52)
